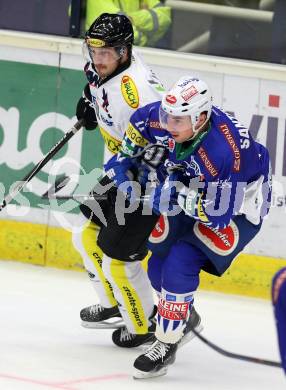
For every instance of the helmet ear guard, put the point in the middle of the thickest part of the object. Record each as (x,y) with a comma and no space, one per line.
(121,50)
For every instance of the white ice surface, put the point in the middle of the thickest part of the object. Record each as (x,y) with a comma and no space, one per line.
(43,346)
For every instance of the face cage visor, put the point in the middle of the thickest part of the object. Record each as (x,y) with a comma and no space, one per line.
(102,55)
(174,123)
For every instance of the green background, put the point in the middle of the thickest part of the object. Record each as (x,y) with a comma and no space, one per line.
(35,90)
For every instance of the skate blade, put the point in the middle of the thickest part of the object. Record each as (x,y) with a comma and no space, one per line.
(190,336)
(103,324)
(137,374)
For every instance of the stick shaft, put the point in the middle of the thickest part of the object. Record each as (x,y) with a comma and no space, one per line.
(77,126)
(236,355)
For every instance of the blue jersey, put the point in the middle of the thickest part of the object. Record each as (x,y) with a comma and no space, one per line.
(279,302)
(232,171)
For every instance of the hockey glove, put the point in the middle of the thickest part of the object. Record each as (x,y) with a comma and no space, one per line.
(144,176)
(118,171)
(192,201)
(163,200)
(187,200)
(85,110)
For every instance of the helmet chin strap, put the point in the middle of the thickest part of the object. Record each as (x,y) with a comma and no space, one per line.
(196,131)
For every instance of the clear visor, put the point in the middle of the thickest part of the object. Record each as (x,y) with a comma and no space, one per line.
(102,55)
(174,123)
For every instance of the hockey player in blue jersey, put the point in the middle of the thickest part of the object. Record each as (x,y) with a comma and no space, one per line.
(279,303)
(213,189)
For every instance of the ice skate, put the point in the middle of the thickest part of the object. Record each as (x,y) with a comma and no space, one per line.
(193,322)
(123,338)
(99,317)
(155,361)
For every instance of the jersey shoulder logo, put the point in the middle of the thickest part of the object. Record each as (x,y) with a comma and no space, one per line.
(231,141)
(135,137)
(113,144)
(129,91)
(208,164)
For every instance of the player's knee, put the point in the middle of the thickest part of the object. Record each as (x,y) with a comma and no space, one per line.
(76,240)
(106,266)
(179,280)
(182,285)
(279,287)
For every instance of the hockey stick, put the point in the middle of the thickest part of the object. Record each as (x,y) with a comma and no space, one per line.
(222,351)
(8,198)
(79,197)
(153,154)
(59,184)
(83,198)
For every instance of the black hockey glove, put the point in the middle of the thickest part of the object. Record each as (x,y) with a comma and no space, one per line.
(85,110)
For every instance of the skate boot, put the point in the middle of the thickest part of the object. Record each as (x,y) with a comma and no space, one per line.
(123,338)
(155,361)
(193,322)
(99,317)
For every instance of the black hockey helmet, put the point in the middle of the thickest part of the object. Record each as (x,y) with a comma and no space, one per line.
(110,30)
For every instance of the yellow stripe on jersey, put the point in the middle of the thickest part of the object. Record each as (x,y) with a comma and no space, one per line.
(201,213)
(131,299)
(135,137)
(113,144)
(89,236)
(144,262)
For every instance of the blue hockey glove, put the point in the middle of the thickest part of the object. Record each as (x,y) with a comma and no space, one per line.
(163,200)
(118,171)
